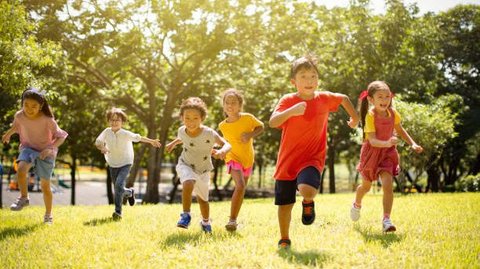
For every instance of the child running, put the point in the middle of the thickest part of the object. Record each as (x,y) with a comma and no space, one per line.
(195,163)
(116,144)
(303,118)
(379,156)
(239,129)
(40,138)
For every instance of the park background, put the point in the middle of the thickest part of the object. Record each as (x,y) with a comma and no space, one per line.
(147,56)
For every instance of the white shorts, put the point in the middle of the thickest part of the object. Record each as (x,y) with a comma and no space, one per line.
(202,181)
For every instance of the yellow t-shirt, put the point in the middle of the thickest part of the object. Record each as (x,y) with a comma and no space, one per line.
(370,121)
(232,131)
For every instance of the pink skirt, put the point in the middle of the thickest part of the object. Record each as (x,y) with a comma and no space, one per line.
(374,160)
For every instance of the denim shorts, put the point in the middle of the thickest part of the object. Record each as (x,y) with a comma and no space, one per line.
(286,190)
(43,168)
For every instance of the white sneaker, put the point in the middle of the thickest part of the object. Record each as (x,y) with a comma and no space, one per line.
(388,226)
(231,226)
(48,219)
(354,213)
(19,204)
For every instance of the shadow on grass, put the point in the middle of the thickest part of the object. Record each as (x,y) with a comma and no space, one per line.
(386,239)
(309,258)
(183,238)
(96,222)
(17,231)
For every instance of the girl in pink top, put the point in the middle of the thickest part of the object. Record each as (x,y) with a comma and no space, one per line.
(379,156)
(40,138)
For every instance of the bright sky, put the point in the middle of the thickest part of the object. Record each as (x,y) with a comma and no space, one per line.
(424,5)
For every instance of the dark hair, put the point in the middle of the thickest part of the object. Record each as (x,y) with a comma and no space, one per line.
(194,103)
(35,94)
(234,92)
(116,111)
(306,62)
(372,88)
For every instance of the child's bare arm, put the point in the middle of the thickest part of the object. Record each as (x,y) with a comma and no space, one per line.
(375,142)
(249,135)
(405,136)
(226,147)
(278,118)
(348,106)
(7,135)
(170,146)
(154,142)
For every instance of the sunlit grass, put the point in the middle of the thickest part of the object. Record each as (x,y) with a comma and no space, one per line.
(434,231)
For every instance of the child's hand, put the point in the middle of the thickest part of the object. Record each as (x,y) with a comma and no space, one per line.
(393,141)
(48,152)
(104,150)
(352,123)
(170,146)
(219,154)
(6,138)
(245,137)
(417,148)
(298,109)
(156,143)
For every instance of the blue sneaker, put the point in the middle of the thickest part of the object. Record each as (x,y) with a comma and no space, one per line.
(184,221)
(207,228)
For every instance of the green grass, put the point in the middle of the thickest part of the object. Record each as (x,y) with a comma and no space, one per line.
(434,231)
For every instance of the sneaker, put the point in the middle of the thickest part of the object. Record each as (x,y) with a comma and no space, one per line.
(48,219)
(308,213)
(388,226)
(231,226)
(116,216)
(284,244)
(19,204)
(206,227)
(184,221)
(355,213)
(131,199)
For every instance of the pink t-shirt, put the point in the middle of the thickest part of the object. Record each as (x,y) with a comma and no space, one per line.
(39,133)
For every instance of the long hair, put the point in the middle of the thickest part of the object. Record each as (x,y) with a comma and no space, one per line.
(372,88)
(35,94)
(232,92)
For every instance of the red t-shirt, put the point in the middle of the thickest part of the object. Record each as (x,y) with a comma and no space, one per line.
(304,138)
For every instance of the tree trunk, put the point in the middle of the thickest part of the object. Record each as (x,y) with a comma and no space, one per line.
(331,167)
(136,165)
(216,166)
(73,169)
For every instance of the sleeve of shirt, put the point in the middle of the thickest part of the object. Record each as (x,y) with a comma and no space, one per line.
(282,105)
(16,122)
(398,118)
(134,137)
(369,124)
(56,131)
(334,101)
(101,138)
(254,121)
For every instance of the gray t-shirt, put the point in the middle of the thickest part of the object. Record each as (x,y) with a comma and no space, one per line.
(197,150)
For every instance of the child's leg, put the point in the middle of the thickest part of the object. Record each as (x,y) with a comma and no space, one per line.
(119,176)
(187,194)
(308,192)
(47,195)
(238,193)
(22,172)
(284,218)
(387,185)
(204,208)
(362,189)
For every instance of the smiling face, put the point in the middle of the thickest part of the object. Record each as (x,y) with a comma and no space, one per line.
(231,105)
(116,122)
(381,99)
(31,108)
(192,119)
(306,82)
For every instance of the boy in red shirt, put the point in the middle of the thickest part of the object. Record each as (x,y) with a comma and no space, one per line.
(303,118)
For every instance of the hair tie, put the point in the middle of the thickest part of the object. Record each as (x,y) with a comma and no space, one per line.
(363,94)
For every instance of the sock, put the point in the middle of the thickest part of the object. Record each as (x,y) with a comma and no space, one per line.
(357,205)
(386,216)
(205,222)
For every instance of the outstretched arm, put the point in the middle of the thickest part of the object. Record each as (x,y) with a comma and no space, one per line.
(405,136)
(7,135)
(226,147)
(170,146)
(348,106)
(278,118)
(154,142)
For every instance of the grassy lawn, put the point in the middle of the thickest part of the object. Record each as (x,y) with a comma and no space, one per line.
(434,231)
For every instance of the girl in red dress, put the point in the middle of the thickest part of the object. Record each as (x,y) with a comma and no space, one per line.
(379,156)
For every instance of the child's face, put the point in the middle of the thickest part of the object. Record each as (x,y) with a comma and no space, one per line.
(231,105)
(192,119)
(306,82)
(31,108)
(116,122)
(381,99)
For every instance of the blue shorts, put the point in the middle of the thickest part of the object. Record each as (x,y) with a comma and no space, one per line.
(286,190)
(43,168)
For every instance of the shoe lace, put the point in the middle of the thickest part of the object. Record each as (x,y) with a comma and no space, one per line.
(308,210)
(387,222)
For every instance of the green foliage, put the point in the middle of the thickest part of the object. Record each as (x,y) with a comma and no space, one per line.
(470,183)
(434,231)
